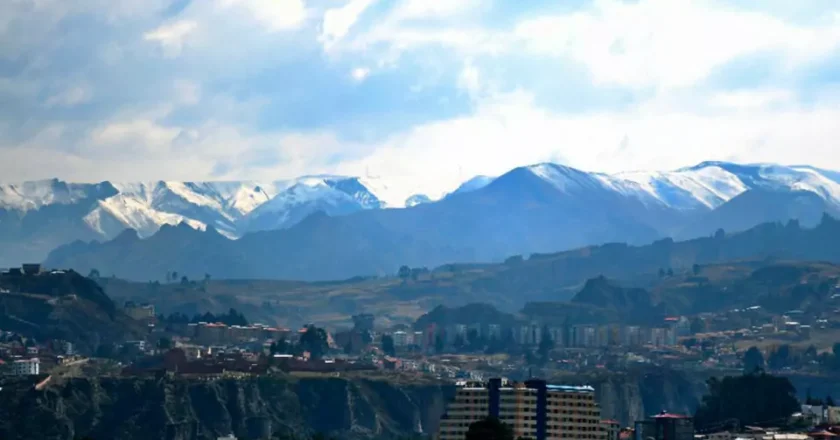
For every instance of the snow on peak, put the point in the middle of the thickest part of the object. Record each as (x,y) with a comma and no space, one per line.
(474,184)
(417,199)
(35,194)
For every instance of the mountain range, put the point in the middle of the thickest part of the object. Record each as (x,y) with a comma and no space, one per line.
(330,228)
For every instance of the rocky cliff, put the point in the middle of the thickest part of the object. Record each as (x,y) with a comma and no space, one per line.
(630,396)
(179,409)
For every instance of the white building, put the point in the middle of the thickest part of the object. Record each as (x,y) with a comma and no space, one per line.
(26,367)
(400,339)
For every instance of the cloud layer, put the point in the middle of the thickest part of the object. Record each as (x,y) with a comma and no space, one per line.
(423,93)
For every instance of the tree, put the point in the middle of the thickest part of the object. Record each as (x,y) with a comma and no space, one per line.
(280,346)
(388,345)
(546,344)
(780,357)
(489,428)
(314,340)
(661,273)
(404,272)
(174,276)
(697,326)
(754,399)
(439,344)
(696,269)
(720,234)
(94,274)
(829,401)
(164,343)
(753,360)
(670,272)
(184,280)
(810,353)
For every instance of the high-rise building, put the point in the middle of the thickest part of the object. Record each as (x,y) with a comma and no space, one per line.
(533,409)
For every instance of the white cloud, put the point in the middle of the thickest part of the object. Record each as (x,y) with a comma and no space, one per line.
(510,130)
(338,21)
(667,43)
(646,43)
(187,92)
(70,97)
(360,73)
(171,36)
(424,9)
(751,99)
(275,15)
(469,79)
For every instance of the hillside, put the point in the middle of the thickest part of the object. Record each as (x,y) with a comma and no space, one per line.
(342,247)
(597,284)
(180,409)
(62,305)
(776,287)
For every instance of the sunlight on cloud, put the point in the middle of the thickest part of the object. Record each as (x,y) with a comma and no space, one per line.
(667,43)
(360,73)
(70,97)
(171,36)
(276,15)
(338,21)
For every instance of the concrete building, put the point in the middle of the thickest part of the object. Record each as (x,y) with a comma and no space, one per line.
(139,312)
(400,338)
(26,367)
(533,409)
(665,426)
(611,428)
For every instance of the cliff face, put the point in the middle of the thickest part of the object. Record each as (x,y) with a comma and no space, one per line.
(627,397)
(177,409)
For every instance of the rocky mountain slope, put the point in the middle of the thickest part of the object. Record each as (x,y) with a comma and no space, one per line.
(65,306)
(378,242)
(180,409)
(539,208)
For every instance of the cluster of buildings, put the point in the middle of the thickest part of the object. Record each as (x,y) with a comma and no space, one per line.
(572,336)
(33,360)
(216,333)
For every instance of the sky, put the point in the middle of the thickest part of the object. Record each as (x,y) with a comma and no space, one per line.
(420,93)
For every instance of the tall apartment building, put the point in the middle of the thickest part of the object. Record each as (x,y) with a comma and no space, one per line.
(533,409)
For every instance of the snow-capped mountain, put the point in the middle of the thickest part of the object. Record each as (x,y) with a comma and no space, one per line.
(705,186)
(417,199)
(333,195)
(472,184)
(35,217)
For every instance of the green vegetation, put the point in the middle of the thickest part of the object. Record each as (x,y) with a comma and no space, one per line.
(489,429)
(753,360)
(757,399)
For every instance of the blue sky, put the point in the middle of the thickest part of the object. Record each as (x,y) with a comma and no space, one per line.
(422,93)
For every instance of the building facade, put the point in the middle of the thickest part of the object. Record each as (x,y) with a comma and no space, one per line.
(665,426)
(27,367)
(533,409)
